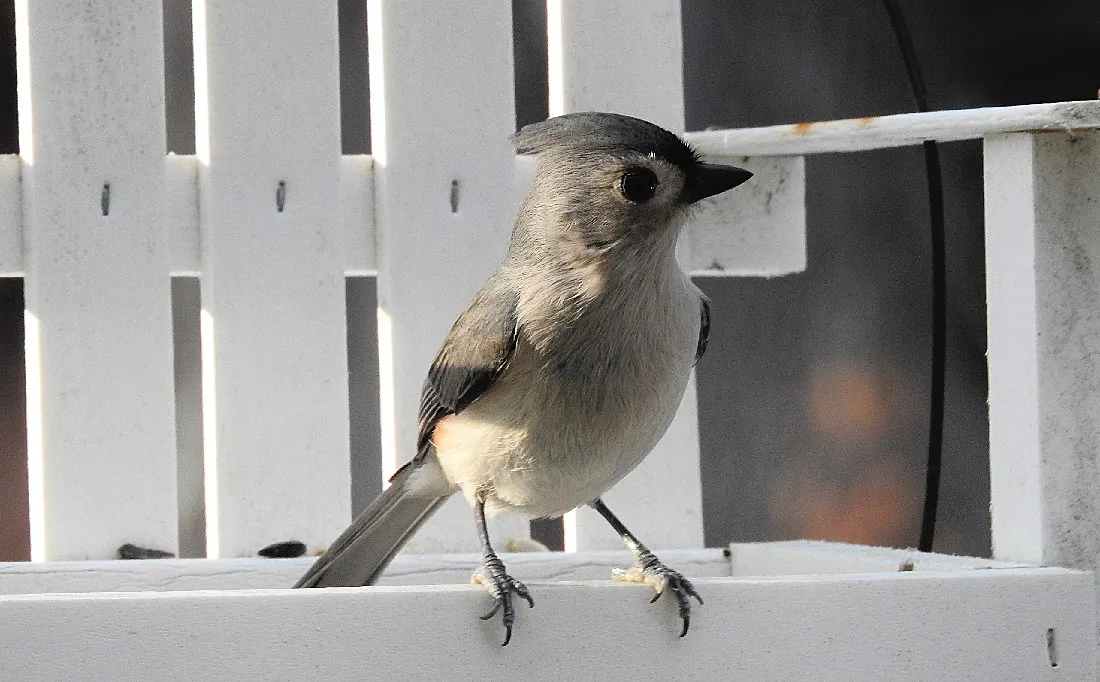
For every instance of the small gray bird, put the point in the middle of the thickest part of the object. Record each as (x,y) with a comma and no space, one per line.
(570,362)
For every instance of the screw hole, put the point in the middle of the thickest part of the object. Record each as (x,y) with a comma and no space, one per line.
(280,196)
(1052,648)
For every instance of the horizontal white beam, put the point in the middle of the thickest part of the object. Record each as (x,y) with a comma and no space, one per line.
(750,559)
(848,135)
(182,208)
(899,130)
(759,230)
(1031,623)
(802,557)
(247,574)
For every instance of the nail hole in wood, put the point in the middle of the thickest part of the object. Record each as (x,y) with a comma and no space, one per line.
(280,196)
(1052,648)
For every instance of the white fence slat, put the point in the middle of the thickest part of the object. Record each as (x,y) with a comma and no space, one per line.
(594,53)
(1043,287)
(99,340)
(624,56)
(432,256)
(898,130)
(275,394)
(759,229)
(975,625)
(11,216)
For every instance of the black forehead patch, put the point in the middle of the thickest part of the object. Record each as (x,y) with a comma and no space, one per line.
(611,133)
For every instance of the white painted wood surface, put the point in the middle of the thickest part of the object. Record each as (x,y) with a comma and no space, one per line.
(433,253)
(809,557)
(898,130)
(275,396)
(754,559)
(250,574)
(595,51)
(357,213)
(1032,624)
(1043,288)
(758,229)
(11,216)
(99,346)
(181,214)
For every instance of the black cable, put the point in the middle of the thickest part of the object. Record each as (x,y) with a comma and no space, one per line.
(939,284)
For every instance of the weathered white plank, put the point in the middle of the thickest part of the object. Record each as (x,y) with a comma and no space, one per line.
(759,229)
(249,574)
(275,395)
(594,52)
(753,559)
(1043,287)
(898,130)
(436,245)
(805,557)
(11,216)
(99,343)
(1033,624)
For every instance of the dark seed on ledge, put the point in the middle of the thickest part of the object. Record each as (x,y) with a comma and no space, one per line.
(284,550)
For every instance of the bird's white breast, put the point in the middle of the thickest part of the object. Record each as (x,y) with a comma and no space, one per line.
(578,408)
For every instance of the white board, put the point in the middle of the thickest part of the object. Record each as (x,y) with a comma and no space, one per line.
(101,438)
(1029,624)
(275,395)
(594,53)
(1043,288)
(441,114)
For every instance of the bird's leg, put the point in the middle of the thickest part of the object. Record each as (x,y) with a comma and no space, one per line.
(648,568)
(491,574)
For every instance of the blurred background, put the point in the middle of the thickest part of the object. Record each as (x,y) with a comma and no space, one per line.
(814,391)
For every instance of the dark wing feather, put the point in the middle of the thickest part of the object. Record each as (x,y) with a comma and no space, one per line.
(704,329)
(472,357)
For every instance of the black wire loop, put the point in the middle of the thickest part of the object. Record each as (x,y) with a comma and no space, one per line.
(939,283)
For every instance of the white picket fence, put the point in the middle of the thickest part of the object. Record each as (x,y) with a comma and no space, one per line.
(272,218)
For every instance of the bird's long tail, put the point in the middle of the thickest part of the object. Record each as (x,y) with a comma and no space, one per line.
(364,550)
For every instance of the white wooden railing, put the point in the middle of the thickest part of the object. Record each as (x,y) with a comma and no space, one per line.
(272,218)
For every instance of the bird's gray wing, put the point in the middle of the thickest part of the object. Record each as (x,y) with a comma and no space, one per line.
(474,354)
(704,328)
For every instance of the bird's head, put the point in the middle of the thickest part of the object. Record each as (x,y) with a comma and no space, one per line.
(606,179)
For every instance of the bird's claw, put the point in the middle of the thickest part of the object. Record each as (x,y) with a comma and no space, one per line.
(652,572)
(501,586)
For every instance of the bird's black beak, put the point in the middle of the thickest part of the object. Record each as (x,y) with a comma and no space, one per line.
(711,178)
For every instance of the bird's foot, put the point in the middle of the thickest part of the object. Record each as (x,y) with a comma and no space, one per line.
(501,586)
(650,571)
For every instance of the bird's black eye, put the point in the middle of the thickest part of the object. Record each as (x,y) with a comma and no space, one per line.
(638,184)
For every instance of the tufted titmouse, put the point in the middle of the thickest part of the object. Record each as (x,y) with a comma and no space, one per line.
(571,360)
